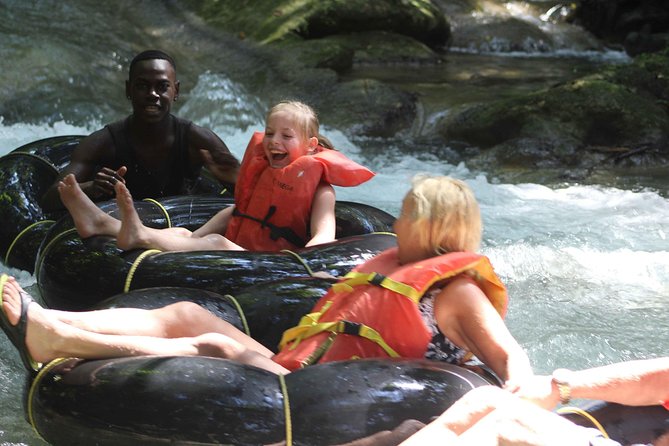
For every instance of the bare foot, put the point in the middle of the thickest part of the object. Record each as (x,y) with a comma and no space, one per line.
(40,329)
(132,233)
(89,219)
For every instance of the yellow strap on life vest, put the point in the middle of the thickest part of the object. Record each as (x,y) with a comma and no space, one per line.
(339,327)
(355,278)
(309,325)
(306,321)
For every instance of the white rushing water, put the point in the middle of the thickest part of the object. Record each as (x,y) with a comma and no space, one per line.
(587,267)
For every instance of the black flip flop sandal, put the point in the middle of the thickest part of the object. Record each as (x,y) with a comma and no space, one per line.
(17,333)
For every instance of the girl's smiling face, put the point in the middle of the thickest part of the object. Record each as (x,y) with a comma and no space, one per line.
(284,142)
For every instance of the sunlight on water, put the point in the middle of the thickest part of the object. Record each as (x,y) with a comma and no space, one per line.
(218,103)
(16,135)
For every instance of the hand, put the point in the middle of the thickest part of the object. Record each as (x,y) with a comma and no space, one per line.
(104,181)
(323,275)
(511,386)
(539,390)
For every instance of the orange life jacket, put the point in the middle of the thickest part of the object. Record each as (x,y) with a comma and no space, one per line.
(273,206)
(374,311)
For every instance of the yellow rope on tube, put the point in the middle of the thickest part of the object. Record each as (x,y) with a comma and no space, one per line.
(34,385)
(163,210)
(16,239)
(286,411)
(584,414)
(239,309)
(135,265)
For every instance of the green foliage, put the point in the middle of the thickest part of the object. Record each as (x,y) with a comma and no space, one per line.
(267,21)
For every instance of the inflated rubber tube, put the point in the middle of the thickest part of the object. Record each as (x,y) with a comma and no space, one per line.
(206,401)
(273,307)
(26,174)
(228,272)
(624,424)
(75,281)
(75,275)
(225,307)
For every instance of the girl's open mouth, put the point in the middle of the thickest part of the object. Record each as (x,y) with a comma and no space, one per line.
(279,156)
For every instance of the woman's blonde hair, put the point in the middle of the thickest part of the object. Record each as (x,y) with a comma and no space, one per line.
(446,215)
(305,117)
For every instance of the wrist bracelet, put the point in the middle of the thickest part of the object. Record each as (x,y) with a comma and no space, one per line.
(561,379)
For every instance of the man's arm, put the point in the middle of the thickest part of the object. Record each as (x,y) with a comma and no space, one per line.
(93,151)
(634,383)
(207,149)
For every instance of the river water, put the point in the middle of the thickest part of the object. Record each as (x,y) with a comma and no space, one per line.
(587,267)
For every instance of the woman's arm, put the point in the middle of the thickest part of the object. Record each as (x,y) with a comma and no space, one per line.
(323,223)
(465,315)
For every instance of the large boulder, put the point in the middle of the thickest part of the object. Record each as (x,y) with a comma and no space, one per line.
(619,117)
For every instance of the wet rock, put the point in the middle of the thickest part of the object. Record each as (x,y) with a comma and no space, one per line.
(502,35)
(343,52)
(615,119)
(371,108)
(311,43)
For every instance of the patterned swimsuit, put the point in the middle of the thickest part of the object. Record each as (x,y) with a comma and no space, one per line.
(440,347)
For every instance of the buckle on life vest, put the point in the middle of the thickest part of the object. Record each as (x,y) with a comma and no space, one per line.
(377,279)
(351,328)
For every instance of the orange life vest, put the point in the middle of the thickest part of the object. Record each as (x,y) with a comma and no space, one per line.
(273,206)
(374,311)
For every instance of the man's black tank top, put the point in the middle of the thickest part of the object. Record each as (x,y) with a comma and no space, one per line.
(171,178)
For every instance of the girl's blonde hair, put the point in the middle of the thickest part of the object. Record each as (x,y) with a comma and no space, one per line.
(305,117)
(446,215)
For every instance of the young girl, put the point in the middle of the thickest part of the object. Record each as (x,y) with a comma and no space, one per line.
(283,198)
(433,298)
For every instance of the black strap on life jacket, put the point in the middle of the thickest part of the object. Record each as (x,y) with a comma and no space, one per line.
(274,231)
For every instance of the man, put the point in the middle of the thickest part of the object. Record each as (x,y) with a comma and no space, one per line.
(155,153)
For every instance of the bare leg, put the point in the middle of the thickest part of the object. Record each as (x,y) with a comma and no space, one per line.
(88,218)
(133,233)
(178,320)
(47,338)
